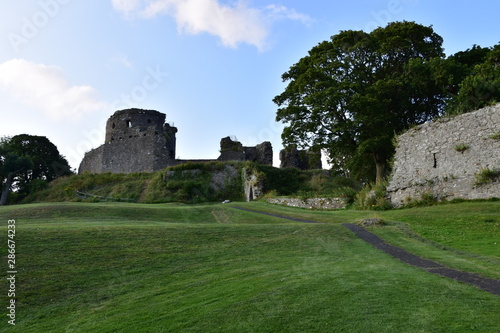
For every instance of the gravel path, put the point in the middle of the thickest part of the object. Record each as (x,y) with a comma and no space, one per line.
(486,284)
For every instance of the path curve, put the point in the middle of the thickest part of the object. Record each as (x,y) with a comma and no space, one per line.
(489,285)
(486,284)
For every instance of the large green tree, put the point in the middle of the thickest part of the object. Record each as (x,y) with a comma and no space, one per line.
(350,95)
(11,165)
(26,160)
(480,82)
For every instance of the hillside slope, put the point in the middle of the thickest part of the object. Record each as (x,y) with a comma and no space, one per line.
(195,183)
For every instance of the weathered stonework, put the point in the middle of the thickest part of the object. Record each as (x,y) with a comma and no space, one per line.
(136,141)
(310,203)
(442,158)
(252,185)
(302,159)
(234,151)
(140,141)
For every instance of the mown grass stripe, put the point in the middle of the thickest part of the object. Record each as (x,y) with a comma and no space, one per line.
(296,219)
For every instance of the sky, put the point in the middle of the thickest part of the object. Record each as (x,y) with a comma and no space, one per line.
(212,66)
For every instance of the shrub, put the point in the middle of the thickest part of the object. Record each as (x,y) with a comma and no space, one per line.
(373,197)
(347,193)
(286,181)
(495,136)
(461,147)
(426,199)
(271,194)
(486,176)
(38,185)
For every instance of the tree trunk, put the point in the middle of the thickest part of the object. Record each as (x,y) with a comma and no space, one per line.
(380,166)
(6,189)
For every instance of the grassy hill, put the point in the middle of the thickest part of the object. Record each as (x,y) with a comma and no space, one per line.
(122,267)
(194,183)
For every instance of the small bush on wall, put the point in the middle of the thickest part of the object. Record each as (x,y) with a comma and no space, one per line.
(486,176)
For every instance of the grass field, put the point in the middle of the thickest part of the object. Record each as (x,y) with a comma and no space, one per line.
(116,267)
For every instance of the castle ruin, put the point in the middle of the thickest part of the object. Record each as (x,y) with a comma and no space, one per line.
(136,141)
(140,141)
(234,151)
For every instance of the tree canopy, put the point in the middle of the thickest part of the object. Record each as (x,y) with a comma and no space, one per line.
(351,94)
(480,81)
(11,164)
(26,160)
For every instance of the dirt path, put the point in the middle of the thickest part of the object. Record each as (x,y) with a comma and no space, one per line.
(486,284)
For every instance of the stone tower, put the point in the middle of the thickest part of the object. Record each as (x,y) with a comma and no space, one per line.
(136,141)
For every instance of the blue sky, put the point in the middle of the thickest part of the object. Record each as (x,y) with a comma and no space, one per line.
(213,66)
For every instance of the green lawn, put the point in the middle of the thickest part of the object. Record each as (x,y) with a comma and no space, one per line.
(210,268)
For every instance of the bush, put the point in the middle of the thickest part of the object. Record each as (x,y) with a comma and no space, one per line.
(461,147)
(286,181)
(372,197)
(486,176)
(38,185)
(347,193)
(307,183)
(495,136)
(426,199)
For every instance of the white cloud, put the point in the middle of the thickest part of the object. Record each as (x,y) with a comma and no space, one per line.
(233,24)
(46,88)
(278,12)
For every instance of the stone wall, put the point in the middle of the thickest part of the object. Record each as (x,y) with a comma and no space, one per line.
(310,203)
(442,158)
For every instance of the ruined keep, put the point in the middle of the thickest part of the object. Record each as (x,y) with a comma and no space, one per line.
(443,158)
(136,140)
(140,141)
